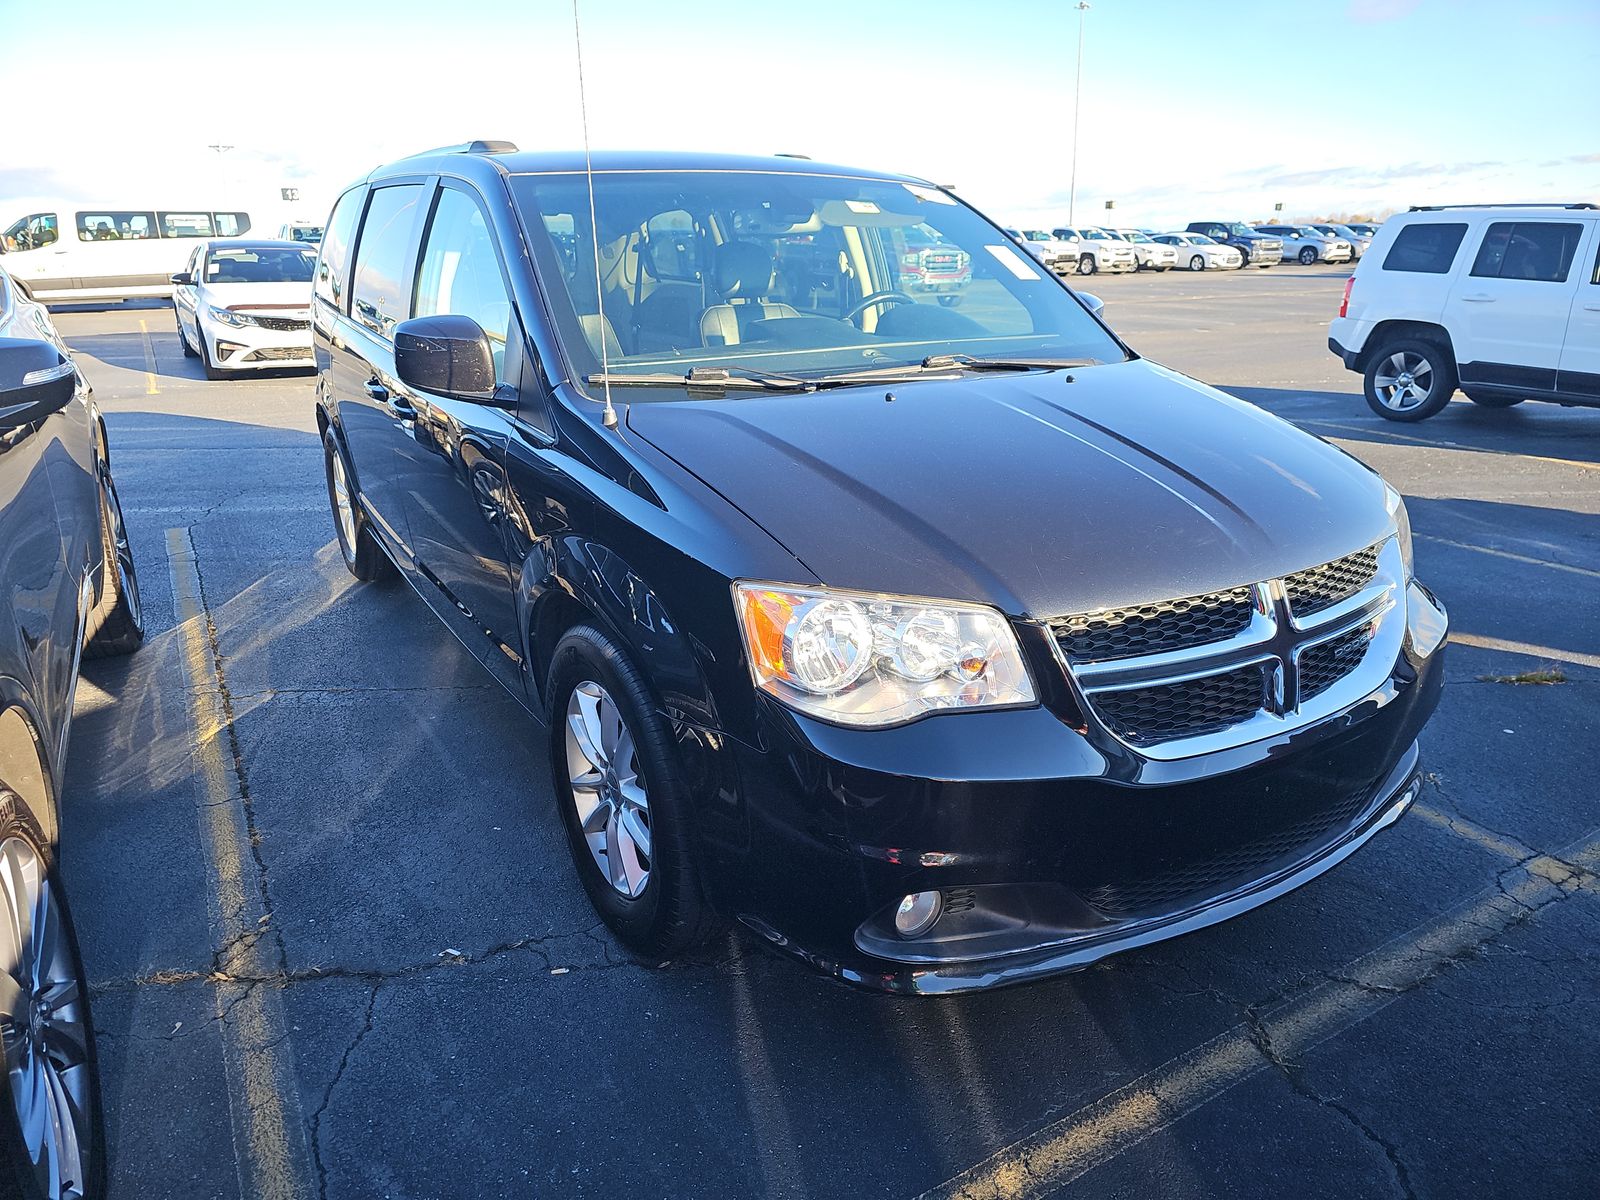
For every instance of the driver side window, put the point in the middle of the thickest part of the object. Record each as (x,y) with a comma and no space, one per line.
(459,272)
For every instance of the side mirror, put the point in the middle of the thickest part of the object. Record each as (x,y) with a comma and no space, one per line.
(182,279)
(1093,303)
(35,381)
(445,355)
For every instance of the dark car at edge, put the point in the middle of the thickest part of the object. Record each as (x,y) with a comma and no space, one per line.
(940,648)
(70,591)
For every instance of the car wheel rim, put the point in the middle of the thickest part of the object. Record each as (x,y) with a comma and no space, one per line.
(1404,381)
(43,1024)
(344,509)
(1197,263)
(612,804)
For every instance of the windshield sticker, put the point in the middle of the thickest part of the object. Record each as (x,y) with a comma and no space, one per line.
(861,206)
(931,195)
(1013,262)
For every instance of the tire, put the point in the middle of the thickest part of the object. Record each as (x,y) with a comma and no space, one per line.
(212,371)
(121,628)
(183,338)
(1396,372)
(1244,257)
(67,1058)
(1308,256)
(648,889)
(358,545)
(1489,400)
(1087,265)
(1197,263)
(949,301)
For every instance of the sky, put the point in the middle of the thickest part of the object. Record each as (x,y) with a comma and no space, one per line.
(1188,111)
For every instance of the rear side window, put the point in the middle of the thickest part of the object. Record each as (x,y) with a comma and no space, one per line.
(186,225)
(333,263)
(1538,250)
(378,293)
(232,224)
(1426,249)
(116,226)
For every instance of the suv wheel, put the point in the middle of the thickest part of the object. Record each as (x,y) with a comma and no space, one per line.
(363,556)
(621,797)
(1409,380)
(1244,256)
(1087,265)
(1307,256)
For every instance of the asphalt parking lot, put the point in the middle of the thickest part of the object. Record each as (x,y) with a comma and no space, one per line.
(338,950)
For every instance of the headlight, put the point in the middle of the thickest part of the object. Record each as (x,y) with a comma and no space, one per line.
(859,659)
(228,317)
(1402,525)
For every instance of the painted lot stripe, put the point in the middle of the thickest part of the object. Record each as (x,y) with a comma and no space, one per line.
(268,1133)
(1544,653)
(149,360)
(1070,1148)
(1521,558)
(1440,444)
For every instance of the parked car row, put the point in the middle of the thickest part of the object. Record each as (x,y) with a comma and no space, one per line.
(1201,246)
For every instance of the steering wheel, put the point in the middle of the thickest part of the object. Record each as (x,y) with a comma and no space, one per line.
(876,298)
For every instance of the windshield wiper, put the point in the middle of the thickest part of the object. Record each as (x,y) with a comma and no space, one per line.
(971,363)
(710,378)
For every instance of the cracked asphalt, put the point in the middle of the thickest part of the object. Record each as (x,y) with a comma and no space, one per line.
(397,989)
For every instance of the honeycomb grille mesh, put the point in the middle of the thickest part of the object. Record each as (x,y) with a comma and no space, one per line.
(1165,711)
(1155,628)
(1316,588)
(1323,665)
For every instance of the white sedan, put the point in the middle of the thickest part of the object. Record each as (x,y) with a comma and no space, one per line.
(245,305)
(1197,252)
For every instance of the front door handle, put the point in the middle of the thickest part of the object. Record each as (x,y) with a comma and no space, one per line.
(376,391)
(1478,298)
(1591,308)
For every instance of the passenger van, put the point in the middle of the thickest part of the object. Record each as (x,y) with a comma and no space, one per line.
(65,252)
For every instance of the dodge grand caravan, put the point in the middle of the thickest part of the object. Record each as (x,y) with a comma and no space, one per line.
(939,648)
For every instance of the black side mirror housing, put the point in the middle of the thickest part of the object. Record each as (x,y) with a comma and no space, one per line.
(182,279)
(35,381)
(446,355)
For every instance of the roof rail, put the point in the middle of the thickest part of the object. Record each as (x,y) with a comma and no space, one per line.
(478,146)
(786,154)
(1524,204)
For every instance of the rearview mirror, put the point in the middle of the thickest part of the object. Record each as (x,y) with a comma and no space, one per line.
(446,355)
(182,279)
(1093,303)
(35,381)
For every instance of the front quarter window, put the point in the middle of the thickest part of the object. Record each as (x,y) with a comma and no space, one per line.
(810,276)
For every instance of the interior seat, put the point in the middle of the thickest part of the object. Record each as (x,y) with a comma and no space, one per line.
(742,273)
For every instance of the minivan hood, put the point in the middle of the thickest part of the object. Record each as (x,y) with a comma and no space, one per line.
(1042,496)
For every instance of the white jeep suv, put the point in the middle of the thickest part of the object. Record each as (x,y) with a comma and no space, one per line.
(1502,301)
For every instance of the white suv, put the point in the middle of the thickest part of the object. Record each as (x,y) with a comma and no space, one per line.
(1501,301)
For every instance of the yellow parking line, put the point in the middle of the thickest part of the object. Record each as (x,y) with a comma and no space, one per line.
(1521,558)
(149,360)
(268,1132)
(1070,1148)
(1547,653)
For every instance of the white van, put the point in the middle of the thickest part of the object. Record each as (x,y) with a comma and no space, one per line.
(1502,301)
(61,253)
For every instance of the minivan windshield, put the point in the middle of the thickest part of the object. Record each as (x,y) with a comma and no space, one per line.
(787,277)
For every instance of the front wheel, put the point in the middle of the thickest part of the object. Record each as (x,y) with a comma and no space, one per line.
(121,628)
(183,338)
(212,371)
(622,798)
(949,301)
(1197,263)
(1087,265)
(1307,256)
(1409,381)
(51,1131)
(358,545)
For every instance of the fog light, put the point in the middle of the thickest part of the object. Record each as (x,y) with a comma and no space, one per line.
(918,913)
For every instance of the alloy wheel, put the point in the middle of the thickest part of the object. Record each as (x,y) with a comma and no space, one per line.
(44,1026)
(344,509)
(612,804)
(1197,263)
(1404,381)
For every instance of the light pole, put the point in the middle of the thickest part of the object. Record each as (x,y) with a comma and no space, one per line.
(1077,97)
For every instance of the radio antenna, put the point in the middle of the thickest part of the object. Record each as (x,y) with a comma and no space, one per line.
(609,417)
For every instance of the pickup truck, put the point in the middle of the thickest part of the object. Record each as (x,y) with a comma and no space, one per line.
(1258,249)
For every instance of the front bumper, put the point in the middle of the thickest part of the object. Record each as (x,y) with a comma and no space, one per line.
(1054,847)
(253,348)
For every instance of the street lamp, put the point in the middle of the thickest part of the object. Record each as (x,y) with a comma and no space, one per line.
(1077,97)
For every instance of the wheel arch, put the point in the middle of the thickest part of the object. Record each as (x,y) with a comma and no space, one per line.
(1384,333)
(25,767)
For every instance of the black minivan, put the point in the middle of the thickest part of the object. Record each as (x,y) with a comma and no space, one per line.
(942,648)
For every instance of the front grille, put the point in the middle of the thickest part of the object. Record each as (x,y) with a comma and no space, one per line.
(1203,879)
(1165,711)
(1323,665)
(1155,628)
(1312,590)
(278,354)
(283,324)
